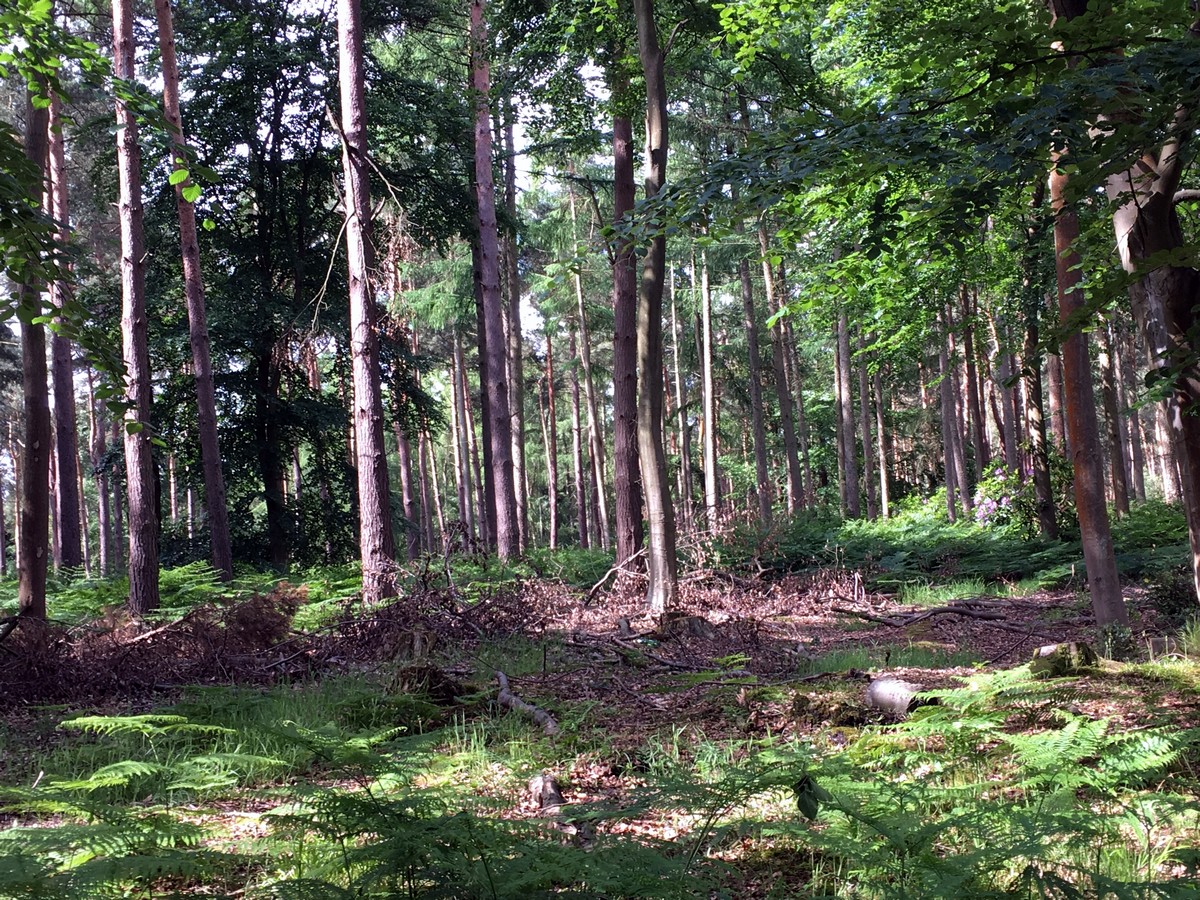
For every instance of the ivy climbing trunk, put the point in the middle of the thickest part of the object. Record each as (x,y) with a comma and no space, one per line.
(662,587)
(215,505)
(139,459)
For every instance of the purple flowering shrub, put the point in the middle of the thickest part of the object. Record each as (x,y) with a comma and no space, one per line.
(1000,498)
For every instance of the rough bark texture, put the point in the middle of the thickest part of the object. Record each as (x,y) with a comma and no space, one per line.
(206,404)
(139,460)
(626,471)
(66,446)
(983,452)
(663,587)
(1082,426)
(377,544)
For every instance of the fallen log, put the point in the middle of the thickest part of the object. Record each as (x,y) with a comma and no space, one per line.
(1062,660)
(507,698)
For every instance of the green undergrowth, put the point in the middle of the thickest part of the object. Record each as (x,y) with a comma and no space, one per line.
(920,546)
(1005,788)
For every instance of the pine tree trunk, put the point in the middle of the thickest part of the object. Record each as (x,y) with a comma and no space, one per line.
(206,405)
(626,468)
(462,458)
(684,428)
(139,461)
(97,450)
(948,426)
(1058,405)
(1084,433)
(1125,385)
(495,366)
(408,498)
(712,492)
(551,442)
(864,412)
(595,425)
(884,444)
(423,451)
(957,419)
(118,505)
(66,447)
(662,589)
(516,344)
(376,538)
(974,406)
(762,475)
(577,462)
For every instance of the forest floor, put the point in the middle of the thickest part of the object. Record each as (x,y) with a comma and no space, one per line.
(753,682)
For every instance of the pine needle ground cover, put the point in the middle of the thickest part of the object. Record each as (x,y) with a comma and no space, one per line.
(347,752)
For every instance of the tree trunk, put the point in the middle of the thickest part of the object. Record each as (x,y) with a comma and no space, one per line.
(581,512)
(139,461)
(1083,429)
(712,493)
(849,459)
(96,451)
(948,426)
(516,344)
(1118,464)
(551,442)
(1058,405)
(408,498)
(974,407)
(864,411)
(685,430)
(1125,385)
(626,468)
(206,404)
(462,458)
(787,425)
(377,542)
(662,589)
(33,478)
(66,447)
(495,366)
(884,445)
(1035,426)
(957,418)
(762,474)
(595,425)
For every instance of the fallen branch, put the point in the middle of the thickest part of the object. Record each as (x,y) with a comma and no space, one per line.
(619,567)
(662,660)
(507,698)
(154,631)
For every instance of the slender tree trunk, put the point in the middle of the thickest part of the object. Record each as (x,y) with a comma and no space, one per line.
(55,547)
(948,427)
(206,405)
(595,425)
(408,498)
(495,366)
(662,589)
(974,407)
(1118,464)
(1125,385)
(1084,433)
(883,443)
(626,468)
(783,395)
(3,534)
(423,450)
(1058,405)
(581,512)
(712,493)
(68,539)
(1035,426)
(846,418)
(551,441)
(516,344)
(864,411)
(685,431)
(139,461)
(33,508)
(376,538)
(118,505)
(16,453)
(957,418)
(462,457)
(97,450)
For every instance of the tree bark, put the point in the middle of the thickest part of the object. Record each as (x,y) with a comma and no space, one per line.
(626,468)
(864,411)
(974,407)
(849,459)
(206,405)
(581,512)
(662,588)
(884,445)
(1058,406)
(712,491)
(551,441)
(1083,429)
(947,416)
(462,459)
(516,344)
(139,460)
(66,448)
(783,395)
(685,430)
(1118,464)
(33,477)
(1125,383)
(495,366)
(1035,425)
